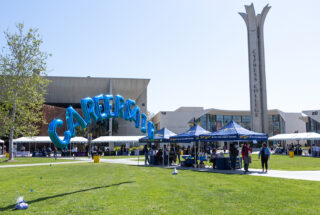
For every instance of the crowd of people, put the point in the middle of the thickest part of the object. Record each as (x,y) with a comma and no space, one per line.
(161,156)
(169,155)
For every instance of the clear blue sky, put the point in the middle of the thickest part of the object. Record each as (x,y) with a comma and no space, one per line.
(194,52)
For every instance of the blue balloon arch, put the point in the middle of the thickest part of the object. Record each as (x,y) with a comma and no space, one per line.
(93,111)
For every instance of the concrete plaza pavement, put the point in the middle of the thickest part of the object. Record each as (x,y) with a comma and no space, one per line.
(42,164)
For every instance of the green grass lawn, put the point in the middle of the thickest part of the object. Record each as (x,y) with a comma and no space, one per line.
(117,157)
(283,162)
(30,160)
(120,189)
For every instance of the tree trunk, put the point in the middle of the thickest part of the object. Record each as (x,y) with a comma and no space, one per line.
(13,115)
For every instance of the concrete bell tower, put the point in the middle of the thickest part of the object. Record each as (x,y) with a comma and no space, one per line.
(257,76)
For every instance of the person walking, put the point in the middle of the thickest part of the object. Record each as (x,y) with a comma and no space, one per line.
(233,153)
(265,156)
(246,151)
(146,154)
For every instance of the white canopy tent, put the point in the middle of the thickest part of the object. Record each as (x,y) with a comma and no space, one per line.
(118,140)
(295,136)
(1,141)
(47,140)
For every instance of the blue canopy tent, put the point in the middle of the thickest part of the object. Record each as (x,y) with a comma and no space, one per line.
(192,135)
(189,136)
(233,132)
(160,136)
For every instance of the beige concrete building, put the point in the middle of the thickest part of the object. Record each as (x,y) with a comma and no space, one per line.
(212,119)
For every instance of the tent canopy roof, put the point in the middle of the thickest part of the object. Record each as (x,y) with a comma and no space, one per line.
(296,136)
(46,139)
(1,141)
(233,132)
(162,135)
(117,139)
(191,135)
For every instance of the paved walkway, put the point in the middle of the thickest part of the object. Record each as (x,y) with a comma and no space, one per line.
(302,175)
(42,164)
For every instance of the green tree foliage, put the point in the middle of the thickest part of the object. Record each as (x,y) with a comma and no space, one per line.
(22,84)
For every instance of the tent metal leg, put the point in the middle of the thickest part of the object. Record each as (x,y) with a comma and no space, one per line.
(163,155)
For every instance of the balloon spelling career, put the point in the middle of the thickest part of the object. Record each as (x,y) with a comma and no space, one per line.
(94,111)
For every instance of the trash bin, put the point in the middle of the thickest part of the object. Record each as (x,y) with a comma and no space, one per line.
(7,155)
(222,163)
(96,159)
(291,154)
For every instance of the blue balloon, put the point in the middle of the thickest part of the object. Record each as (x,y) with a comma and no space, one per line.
(100,113)
(128,110)
(108,105)
(88,110)
(54,136)
(119,106)
(150,130)
(143,127)
(72,114)
(135,116)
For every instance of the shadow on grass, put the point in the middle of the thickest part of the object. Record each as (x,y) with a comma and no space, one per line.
(206,170)
(11,207)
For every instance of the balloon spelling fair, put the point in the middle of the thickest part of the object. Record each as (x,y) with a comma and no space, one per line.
(94,111)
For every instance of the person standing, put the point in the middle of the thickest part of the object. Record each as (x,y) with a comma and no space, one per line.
(146,155)
(213,158)
(224,149)
(74,152)
(55,153)
(49,150)
(151,152)
(233,153)
(313,150)
(246,150)
(265,156)
(178,152)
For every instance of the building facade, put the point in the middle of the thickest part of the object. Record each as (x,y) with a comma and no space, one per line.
(312,119)
(179,120)
(65,91)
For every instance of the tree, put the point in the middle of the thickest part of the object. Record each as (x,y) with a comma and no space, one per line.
(22,83)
